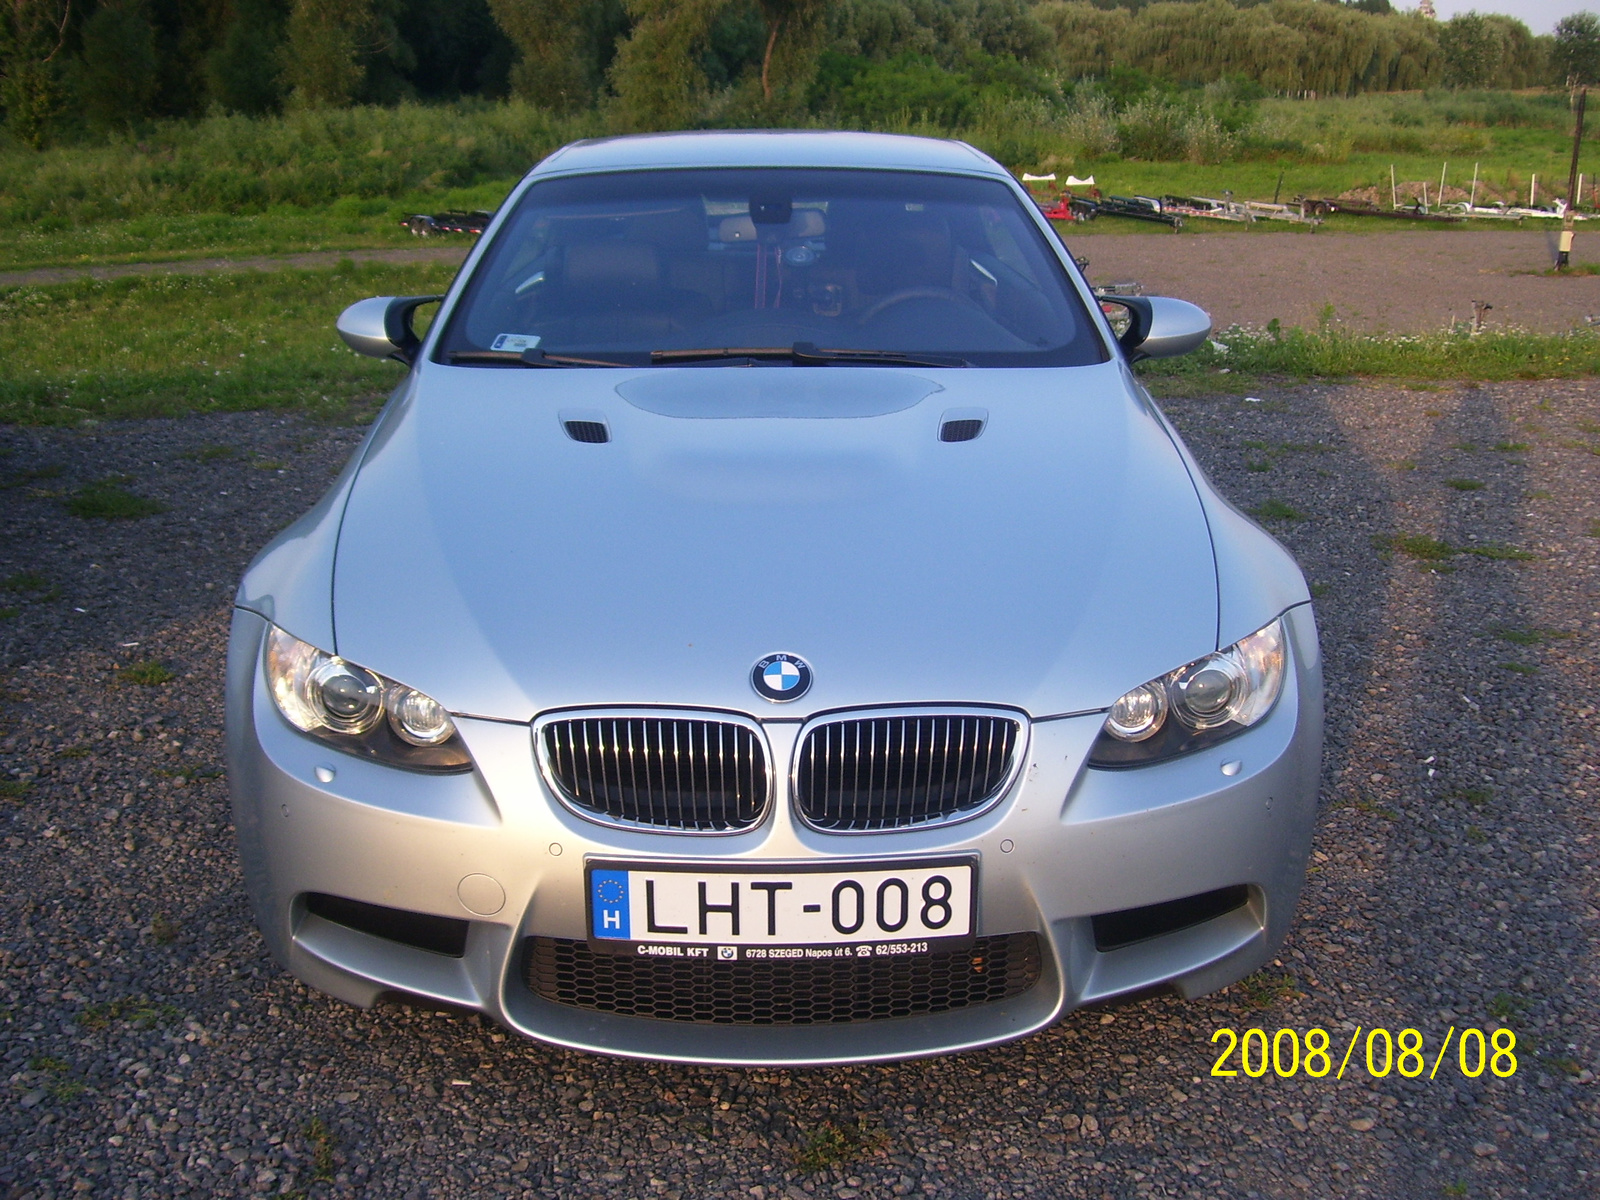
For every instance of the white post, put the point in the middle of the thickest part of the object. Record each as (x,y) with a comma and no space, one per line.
(1473,203)
(1394,195)
(1533,188)
(1424,195)
(1442,170)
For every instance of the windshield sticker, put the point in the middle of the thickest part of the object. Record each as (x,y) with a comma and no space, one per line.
(516,342)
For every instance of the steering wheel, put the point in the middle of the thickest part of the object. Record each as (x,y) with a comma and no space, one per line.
(916,293)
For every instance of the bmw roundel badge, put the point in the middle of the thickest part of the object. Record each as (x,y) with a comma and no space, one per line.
(781,677)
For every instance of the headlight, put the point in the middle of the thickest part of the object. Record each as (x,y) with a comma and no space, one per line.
(358,711)
(1198,705)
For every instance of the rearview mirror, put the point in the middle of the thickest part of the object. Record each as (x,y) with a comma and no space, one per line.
(381,326)
(1158,326)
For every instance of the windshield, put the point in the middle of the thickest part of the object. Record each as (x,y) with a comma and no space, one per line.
(617,267)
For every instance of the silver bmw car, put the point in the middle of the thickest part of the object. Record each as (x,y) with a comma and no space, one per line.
(771,624)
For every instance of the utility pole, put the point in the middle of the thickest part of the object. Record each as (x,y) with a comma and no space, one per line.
(1564,256)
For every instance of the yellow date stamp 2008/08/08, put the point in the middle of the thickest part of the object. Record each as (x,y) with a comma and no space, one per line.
(1284,1055)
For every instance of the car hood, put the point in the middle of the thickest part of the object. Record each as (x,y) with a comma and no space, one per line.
(1052,563)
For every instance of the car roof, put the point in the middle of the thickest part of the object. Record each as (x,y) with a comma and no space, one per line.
(768,148)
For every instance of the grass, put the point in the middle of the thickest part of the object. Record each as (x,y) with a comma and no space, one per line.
(138,1011)
(1276,510)
(1475,796)
(1476,836)
(60,1082)
(160,237)
(14,789)
(169,345)
(1465,485)
(1419,546)
(25,581)
(148,673)
(831,1145)
(1529,636)
(32,475)
(1372,808)
(213,453)
(1520,668)
(163,930)
(1430,551)
(1266,988)
(109,500)
(1507,1008)
(1253,355)
(1500,552)
(321,1138)
(305,180)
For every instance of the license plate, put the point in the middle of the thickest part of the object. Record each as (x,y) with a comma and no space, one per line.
(736,914)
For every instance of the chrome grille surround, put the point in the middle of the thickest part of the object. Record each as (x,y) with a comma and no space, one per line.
(905,768)
(674,770)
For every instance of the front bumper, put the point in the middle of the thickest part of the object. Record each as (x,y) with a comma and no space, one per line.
(1066,843)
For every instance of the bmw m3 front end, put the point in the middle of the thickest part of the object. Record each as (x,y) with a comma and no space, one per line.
(770,624)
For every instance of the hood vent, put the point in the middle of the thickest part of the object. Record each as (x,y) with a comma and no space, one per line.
(962,424)
(960,431)
(587,431)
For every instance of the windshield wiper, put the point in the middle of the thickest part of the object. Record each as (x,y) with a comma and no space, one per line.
(532,358)
(730,353)
(806,354)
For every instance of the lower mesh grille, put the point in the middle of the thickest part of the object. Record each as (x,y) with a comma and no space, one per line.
(785,992)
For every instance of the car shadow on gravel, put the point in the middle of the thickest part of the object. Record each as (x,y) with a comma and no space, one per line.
(1444,801)
(153,1049)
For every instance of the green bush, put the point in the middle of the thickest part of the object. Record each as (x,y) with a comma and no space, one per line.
(242,164)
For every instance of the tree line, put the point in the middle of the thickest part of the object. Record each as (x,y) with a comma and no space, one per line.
(75,68)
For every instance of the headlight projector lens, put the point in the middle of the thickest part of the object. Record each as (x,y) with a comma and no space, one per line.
(352,700)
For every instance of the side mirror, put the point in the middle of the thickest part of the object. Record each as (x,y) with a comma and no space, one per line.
(381,326)
(1159,327)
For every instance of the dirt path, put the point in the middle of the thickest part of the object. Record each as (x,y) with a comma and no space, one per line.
(1398,282)
(454,252)
(1406,282)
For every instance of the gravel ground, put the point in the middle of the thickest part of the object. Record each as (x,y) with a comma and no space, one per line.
(152,1049)
(1401,281)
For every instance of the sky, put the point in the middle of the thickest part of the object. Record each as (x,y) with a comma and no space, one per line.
(1538,15)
